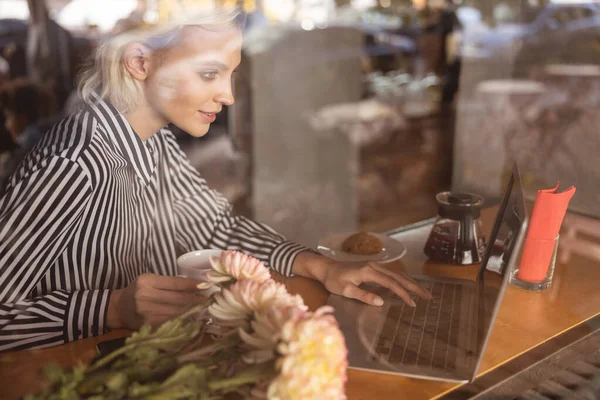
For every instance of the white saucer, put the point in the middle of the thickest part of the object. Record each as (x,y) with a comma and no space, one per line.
(331,246)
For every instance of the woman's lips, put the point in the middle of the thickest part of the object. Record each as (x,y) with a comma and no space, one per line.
(208,117)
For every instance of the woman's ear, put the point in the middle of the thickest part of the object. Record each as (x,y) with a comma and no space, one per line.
(137,60)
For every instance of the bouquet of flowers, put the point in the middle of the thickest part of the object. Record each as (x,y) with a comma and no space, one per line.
(266,344)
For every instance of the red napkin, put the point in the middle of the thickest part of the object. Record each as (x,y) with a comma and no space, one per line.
(547,217)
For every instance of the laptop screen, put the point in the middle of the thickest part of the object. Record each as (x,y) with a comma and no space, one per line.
(504,242)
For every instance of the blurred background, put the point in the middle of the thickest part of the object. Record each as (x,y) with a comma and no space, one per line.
(349,114)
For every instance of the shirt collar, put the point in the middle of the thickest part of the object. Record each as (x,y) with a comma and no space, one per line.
(138,153)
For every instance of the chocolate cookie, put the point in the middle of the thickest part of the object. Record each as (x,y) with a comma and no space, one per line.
(362,243)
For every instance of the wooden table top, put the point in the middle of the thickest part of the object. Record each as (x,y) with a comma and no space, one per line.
(525,320)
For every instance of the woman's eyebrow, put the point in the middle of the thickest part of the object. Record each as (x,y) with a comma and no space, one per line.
(215,64)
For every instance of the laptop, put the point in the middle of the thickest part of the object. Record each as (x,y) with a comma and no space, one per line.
(444,338)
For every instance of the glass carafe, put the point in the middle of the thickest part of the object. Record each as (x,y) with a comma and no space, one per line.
(457,235)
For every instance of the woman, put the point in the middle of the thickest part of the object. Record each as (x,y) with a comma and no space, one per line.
(94,219)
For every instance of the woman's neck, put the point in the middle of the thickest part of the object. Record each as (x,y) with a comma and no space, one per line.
(145,121)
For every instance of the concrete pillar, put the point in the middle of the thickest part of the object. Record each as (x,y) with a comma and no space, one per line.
(303,181)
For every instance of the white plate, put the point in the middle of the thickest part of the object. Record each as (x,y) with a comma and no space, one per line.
(331,246)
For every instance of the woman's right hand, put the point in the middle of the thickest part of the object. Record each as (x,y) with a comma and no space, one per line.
(151,299)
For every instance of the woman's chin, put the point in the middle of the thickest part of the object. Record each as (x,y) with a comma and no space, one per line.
(197,131)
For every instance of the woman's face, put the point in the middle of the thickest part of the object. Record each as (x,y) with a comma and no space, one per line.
(189,83)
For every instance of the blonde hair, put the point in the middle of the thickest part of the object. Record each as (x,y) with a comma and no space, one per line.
(107,78)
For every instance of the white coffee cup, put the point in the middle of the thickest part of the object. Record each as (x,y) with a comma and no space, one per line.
(196,265)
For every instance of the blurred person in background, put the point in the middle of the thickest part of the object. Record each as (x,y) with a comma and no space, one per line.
(27,109)
(443,29)
(442,25)
(95,217)
(134,20)
(15,57)
(49,53)
(4,70)
(7,144)
(450,29)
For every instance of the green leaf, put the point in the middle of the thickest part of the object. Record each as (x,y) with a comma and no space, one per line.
(171,336)
(188,382)
(139,390)
(138,355)
(187,375)
(172,394)
(54,373)
(79,372)
(117,382)
(148,355)
(68,393)
(151,372)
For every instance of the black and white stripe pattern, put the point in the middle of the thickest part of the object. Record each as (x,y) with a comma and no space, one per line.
(91,208)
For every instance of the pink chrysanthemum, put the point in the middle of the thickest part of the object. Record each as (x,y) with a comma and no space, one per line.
(310,350)
(233,265)
(235,305)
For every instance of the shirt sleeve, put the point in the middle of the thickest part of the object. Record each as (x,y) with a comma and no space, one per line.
(204,220)
(39,214)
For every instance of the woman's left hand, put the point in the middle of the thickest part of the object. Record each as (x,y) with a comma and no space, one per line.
(345,279)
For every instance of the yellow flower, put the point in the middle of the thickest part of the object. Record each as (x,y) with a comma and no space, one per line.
(235,305)
(235,265)
(310,350)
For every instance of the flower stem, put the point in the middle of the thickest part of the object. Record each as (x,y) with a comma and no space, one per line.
(151,341)
(199,354)
(251,375)
(196,309)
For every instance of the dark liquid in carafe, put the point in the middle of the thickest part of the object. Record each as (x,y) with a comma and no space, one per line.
(448,245)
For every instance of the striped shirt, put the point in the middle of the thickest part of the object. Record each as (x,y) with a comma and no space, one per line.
(91,208)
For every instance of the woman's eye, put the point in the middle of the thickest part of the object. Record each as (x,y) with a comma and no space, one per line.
(208,76)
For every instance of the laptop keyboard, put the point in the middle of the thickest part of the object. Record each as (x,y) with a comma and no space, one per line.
(426,335)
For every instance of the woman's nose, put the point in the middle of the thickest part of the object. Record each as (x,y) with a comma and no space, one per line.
(225,96)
